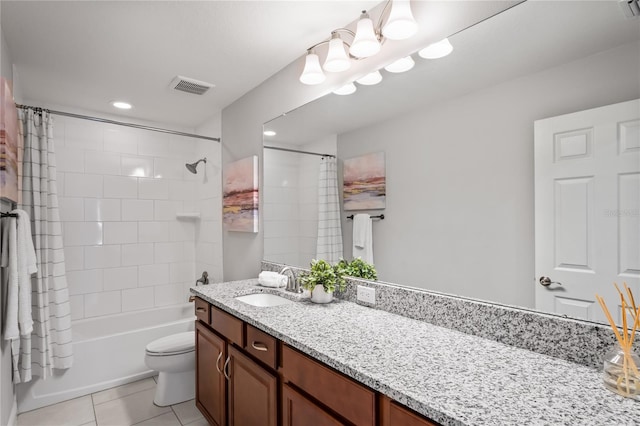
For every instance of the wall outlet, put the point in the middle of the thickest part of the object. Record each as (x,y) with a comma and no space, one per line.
(366,295)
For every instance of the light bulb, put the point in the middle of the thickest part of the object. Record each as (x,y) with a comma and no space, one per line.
(312,73)
(401,65)
(370,79)
(365,43)
(400,24)
(347,89)
(436,50)
(337,59)
(121,105)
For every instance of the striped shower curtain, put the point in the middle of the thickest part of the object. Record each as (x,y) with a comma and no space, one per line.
(49,346)
(329,245)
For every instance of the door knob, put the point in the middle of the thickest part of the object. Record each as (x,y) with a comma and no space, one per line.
(546,281)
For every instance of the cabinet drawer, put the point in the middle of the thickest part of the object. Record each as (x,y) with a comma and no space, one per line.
(227,325)
(392,413)
(202,310)
(347,398)
(261,346)
(298,410)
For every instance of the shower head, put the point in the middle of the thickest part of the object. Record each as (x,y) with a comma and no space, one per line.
(192,167)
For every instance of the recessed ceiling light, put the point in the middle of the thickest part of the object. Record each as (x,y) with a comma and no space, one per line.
(121,105)
(269,133)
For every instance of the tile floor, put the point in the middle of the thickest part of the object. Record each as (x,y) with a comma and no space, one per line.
(130,404)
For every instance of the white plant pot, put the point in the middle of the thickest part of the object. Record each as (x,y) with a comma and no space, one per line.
(318,295)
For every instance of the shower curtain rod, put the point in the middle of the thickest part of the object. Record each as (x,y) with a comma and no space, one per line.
(299,152)
(119,123)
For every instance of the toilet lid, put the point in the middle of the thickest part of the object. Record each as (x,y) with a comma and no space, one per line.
(180,342)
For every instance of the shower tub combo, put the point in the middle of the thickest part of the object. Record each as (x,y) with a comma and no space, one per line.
(108,351)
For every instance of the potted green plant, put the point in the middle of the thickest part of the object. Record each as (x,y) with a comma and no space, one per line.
(322,281)
(357,268)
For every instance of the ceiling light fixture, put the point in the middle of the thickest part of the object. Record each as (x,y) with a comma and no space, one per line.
(121,105)
(366,41)
(370,79)
(347,89)
(436,50)
(401,65)
(269,133)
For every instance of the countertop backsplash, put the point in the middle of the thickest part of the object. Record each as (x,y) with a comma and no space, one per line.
(573,340)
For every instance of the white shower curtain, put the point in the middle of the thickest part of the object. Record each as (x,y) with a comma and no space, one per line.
(329,246)
(49,346)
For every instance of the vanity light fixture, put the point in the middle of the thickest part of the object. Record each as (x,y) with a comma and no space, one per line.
(121,105)
(366,41)
(269,133)
(436,50)
(370,79)
(347,89)
(401,65)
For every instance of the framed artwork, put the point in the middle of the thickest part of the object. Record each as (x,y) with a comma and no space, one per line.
(240,199)
(364,182)
(8,144)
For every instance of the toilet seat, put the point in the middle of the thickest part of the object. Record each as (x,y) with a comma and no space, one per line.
(175,344)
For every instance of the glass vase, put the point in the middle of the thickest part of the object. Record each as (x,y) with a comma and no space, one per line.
(621,374)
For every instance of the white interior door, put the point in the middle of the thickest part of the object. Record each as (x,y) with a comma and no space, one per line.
(587,209)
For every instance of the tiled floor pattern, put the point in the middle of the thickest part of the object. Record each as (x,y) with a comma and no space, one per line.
(130,404)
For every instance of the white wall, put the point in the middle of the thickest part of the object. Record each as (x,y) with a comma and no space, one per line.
(459,216)
(119,192)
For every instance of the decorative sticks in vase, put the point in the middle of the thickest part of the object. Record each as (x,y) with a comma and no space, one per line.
(620,373)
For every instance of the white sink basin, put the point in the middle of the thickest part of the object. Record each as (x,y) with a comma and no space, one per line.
(264,300)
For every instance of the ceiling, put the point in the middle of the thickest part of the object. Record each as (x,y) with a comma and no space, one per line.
(84,54)
(528,38)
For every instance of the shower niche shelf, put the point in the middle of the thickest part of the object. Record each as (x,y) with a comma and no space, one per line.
(188,216)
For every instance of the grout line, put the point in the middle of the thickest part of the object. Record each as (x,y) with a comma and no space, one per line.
(176,414)
(93,406)
(145,420)
(121,396)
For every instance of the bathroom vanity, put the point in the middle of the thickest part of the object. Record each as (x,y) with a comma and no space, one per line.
(344,363)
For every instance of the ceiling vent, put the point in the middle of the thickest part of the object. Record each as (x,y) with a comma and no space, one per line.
(630,8)
(190,85)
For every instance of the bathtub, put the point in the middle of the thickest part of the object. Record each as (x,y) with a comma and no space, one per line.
(108,351)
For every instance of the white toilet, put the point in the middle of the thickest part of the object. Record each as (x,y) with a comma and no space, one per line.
(174,357)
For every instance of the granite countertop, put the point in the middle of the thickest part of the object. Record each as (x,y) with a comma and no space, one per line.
(448,376)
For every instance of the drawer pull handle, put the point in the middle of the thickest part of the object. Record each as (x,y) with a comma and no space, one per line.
(218,363)
(224,369)
(201,309)
(259,346)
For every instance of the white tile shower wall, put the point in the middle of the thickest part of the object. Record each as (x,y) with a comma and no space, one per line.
(291,202)
(120,191)
(207,230)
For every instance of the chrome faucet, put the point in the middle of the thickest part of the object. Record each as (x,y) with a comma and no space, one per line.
(204,279)
(292,284)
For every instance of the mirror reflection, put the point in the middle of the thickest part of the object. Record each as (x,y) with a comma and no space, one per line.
(458,137)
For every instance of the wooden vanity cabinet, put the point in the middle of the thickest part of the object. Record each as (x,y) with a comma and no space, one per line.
(246,377)
(232,388)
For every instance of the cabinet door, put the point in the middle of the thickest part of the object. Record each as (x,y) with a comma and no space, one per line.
(299,411)
(252,392)
(210,382)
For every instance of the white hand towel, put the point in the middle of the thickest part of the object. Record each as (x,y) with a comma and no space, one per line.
(363,238)
(26,266)
(9,247)
(272,279)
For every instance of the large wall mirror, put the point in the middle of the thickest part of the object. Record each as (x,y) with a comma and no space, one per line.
(458,138)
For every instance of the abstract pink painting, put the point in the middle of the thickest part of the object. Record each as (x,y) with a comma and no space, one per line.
(240,195)
(8,143)
(364,183)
